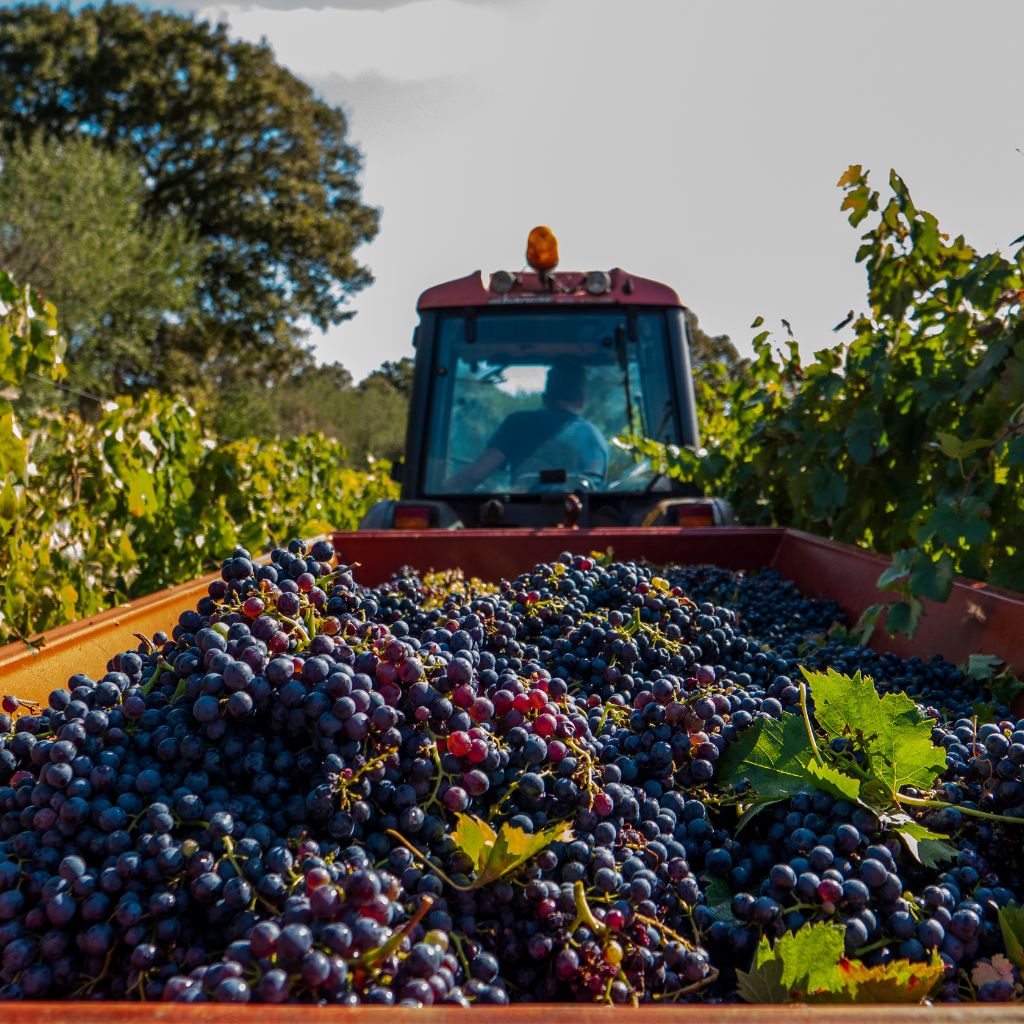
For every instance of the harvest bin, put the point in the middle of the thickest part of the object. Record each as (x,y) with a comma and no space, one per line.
(977,619)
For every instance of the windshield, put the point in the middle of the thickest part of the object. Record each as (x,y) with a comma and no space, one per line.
(529,401)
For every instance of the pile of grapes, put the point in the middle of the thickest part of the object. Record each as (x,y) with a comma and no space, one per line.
(438,791)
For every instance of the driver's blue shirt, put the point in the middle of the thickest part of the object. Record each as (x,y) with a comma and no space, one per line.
(524,434)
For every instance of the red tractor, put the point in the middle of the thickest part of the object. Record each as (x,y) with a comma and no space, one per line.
(523,382)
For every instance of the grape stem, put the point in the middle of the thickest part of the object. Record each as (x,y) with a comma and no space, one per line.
(709,979)
(460,953)
(161,665)
(870,949)
(229,853)
(919,801)
(372,957)
(664,929)
(584,914)
(808,727)
(426,862)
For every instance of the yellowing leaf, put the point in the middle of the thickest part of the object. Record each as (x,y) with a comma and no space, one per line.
(475,838)
(809,966)
(898,981)
(497,854)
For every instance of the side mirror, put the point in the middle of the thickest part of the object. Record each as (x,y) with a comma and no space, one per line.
(397,470)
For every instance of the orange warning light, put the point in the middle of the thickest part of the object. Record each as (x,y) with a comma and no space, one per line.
(542,249)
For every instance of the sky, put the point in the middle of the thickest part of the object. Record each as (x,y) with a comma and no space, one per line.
(697,142)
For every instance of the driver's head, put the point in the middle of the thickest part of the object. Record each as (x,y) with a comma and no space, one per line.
(565,387)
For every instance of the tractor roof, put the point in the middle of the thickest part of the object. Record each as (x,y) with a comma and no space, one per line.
(559,288)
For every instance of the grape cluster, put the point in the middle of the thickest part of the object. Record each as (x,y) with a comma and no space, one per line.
(263,805)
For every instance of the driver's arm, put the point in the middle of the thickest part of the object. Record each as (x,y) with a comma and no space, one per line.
(490,460)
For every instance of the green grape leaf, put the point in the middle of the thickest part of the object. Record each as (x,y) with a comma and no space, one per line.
(799,964)
(865,626)
(1011,923)
(497,854)
(893,734)
(932,579)
(751,811)
(809,966)
(1005,688)
(9,503)
(957,449)
(904,616)
(775,756)
(926,847)
(980,667)
(719,897)
(763,984)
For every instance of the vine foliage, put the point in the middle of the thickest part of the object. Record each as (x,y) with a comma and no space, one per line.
(908,439)
(93,513)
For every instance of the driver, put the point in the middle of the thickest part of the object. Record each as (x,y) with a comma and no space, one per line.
(556,436)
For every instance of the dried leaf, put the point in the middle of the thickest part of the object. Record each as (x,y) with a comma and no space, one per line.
(1000,969)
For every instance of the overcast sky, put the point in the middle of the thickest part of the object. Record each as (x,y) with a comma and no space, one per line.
(694,142)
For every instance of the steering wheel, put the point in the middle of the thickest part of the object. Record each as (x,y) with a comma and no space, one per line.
(530,483)
(638,473)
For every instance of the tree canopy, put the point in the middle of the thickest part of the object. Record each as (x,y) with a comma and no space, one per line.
(72,221)
(230,141)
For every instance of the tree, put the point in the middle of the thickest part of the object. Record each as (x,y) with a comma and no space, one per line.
(228,139)
(72,221)
(707,350)
(368,419)
(397,373)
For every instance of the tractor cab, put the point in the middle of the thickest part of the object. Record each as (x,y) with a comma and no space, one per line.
(522,384)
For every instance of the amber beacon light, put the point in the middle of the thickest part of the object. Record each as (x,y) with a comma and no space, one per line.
(542,249)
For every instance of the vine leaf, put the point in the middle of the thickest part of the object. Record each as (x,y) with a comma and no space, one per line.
(998,969)
(893,734)
(898,981)
(926,847)
(475,838)
(495,854)
(775,756)
(719,897)
(954,448)
(809,966)
(982,667)
(799,964)
(1011,923)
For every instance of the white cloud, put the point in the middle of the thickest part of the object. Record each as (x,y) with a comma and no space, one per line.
(406,43)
